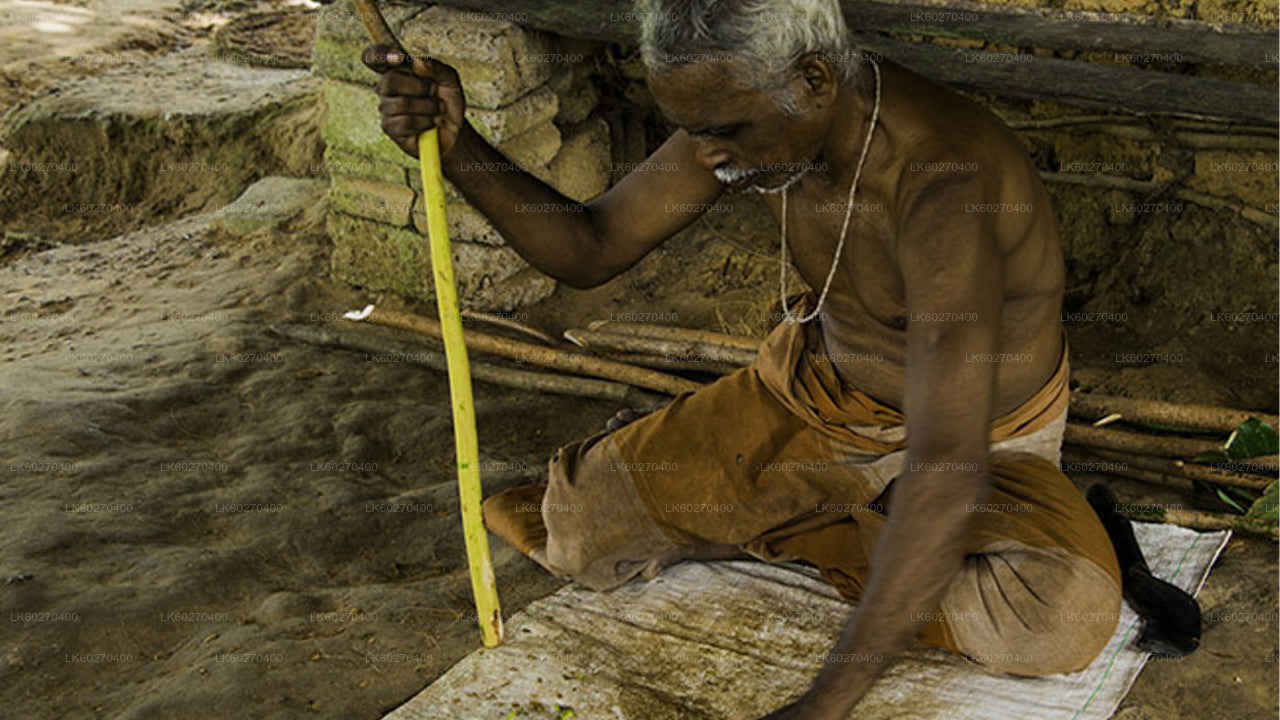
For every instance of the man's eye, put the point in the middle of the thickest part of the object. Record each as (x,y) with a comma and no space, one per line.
(715,131)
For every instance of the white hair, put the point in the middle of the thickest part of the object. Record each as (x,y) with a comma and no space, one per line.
(767,36)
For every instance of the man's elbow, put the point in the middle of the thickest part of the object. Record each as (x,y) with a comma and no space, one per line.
(591,268)
(585,278)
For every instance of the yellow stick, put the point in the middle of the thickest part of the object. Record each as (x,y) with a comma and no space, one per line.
(483,583)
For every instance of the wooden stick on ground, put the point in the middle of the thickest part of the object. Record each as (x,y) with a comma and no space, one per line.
(1157,412)
(1261,465)
(433,358)
(670,332)
(1180,470)
(1202,520)
(1074,460)
(1157,445)
(539,355)
(1143,187)
(658,362)
(682,350)
(1196,519)
(506,322)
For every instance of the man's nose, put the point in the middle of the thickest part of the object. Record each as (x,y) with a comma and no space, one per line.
(712,155)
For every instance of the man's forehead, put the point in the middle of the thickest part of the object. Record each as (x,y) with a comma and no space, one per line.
(703,94)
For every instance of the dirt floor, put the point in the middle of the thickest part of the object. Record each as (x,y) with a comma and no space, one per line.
(203,520)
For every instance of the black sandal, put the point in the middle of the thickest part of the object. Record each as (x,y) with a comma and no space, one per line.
(1171,616)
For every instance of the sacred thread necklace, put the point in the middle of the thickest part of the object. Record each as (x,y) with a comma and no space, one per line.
(782,268)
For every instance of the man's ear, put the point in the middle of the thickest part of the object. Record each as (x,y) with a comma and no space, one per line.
(820,77)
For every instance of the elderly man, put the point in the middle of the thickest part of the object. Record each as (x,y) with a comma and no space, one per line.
(938,273)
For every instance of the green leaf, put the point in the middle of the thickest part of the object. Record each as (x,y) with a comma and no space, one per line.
(1253,438)
(1210,457)
(1224,497)
(1264,509)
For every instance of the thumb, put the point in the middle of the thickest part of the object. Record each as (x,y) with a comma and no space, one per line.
(381,58)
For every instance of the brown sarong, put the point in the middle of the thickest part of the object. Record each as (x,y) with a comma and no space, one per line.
(783,460)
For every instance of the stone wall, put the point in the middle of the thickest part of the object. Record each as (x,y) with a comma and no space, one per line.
(529,93)
(1168,224)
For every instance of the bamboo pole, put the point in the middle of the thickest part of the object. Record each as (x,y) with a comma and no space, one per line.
(483,582)
(1157,412)
(539,355)
(1157,445)
(431,358)
(685,350)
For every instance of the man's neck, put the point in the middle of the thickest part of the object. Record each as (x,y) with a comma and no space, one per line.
(837,161)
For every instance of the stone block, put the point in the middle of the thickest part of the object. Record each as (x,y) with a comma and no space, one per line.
(462,35)
(341,37)
(466,223)
(533,147)
(571,82)
(268,203)
(352,125)
(576,102)
(581,169)
(377,256)
(340,162)
(383,202)
(528,112)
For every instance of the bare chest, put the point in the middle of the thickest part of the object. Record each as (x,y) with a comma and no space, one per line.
(848,246)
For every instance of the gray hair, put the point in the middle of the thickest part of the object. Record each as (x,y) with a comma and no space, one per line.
(767,36)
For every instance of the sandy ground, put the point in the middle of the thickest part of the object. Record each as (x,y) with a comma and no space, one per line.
(198,511)
(201,520)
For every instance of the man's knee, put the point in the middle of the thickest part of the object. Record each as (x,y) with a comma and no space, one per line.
(598,529)
(568,543)
(1031,625)
(1070,643)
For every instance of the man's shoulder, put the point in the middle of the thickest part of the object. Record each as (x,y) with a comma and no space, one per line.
(946,137)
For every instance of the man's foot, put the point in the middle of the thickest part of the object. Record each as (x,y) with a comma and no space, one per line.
(694,552)
(515,515)
(624,417)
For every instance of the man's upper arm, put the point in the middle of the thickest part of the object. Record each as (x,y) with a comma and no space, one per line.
(650,204)
(951,268)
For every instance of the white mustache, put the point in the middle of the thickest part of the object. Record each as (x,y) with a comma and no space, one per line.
(730,175)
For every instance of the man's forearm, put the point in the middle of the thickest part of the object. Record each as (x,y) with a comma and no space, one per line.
(551,232)
(918,554)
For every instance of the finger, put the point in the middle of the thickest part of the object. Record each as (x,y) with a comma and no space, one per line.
(381,58)
(399,82)
(404,130)
(409,146)
(407,105)
(406,126)
(435,70)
